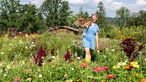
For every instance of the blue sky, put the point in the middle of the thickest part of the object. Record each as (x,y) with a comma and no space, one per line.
(91,5)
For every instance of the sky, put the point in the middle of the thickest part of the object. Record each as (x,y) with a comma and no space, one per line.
(91,5)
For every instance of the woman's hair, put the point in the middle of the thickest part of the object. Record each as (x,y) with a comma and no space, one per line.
(94,15)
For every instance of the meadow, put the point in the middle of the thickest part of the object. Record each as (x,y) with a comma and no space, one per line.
(59,57)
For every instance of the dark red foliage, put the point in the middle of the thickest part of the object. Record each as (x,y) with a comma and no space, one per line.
(41,52)
(129,46)
(52,52)
(141,47)
(67,56)
(38,59)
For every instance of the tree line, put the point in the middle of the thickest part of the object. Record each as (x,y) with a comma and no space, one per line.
(53,13)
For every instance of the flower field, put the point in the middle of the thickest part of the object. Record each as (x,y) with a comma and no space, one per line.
(59,57)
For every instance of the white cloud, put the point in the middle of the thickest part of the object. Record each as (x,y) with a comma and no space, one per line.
(37,2)
(77,1)
(105,1)
(141,2)
(116,5)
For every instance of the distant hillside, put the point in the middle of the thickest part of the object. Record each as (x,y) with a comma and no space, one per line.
(110,20)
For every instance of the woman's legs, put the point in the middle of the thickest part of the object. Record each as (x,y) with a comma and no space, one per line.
(87,55)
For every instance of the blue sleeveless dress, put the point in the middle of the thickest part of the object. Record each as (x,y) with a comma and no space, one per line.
(89,37)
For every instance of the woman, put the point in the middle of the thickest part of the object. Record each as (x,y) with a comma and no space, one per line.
(90,38)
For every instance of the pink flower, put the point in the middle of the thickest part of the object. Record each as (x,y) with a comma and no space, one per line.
(17,79)
(110,76)
(83,64)
(106,68)
(98,69)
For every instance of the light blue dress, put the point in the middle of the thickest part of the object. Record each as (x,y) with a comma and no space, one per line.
(89,37)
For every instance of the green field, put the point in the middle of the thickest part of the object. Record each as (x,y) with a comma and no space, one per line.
(109,63)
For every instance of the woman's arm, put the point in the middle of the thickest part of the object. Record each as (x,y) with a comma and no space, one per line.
(97,43)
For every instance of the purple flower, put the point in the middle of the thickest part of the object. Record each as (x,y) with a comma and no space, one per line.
(17,79)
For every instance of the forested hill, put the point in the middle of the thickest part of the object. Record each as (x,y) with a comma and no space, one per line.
(110,20)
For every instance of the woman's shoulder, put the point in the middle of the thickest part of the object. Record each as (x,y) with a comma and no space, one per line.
(96,25)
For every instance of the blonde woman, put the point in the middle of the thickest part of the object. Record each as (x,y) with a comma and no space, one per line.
(90,38)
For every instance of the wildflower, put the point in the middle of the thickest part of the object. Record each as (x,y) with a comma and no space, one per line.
(5,75)
(8,67)
(83,64)
(40,75)
(113,50)
(2,52)
(98,69)
(106,68)
(79,80)
(26,47)
(1,70)
(17,79)
(103,81)
(28,71)
(143,80)
(121,64)
(106,49)
(29,79)
(65,75)
(78,58)
(110,76)
(116,67)
(134,64)
(1,64)
(98,51)
(23,62)
(135,75)
(88,76)
(128,68)
(72,68)
(73,63)
(69,81)
(53,57)
(92,80)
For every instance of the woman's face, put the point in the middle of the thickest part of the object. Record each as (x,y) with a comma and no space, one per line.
(94,18)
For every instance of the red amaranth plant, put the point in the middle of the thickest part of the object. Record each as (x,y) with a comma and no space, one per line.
(129,47)
(67,56)
(52,52)
(40,54)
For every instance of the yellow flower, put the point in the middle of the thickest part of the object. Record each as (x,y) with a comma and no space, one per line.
(103,81)
(134,64)
(8,67)
(116,67)
(135,75)
(69,81)
(1,70)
